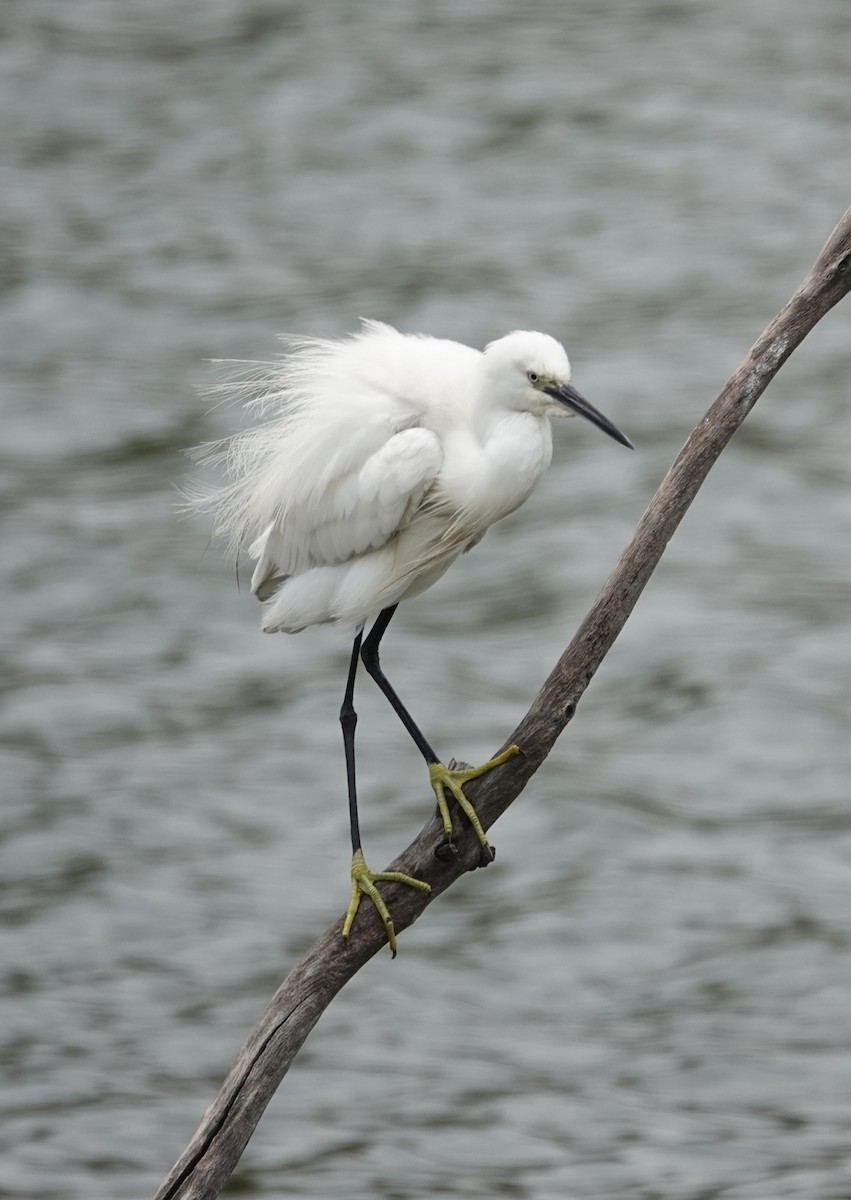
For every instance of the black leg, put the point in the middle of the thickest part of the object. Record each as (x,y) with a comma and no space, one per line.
(443,779)
(369,654)
(364,880)
(348,720)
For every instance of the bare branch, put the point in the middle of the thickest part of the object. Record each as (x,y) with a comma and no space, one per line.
(311,986)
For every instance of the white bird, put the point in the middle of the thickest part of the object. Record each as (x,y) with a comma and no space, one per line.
(384,457)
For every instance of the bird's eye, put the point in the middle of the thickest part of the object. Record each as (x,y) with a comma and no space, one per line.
(532,376)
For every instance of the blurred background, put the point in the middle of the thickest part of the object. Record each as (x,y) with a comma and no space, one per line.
(648,994)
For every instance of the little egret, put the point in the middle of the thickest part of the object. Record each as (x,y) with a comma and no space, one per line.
(385,456)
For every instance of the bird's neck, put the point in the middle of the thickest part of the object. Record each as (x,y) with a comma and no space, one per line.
(515,449)
(491,415)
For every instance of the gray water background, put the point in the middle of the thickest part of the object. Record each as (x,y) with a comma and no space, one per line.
(649,994)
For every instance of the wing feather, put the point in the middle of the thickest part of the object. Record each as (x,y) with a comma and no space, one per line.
(360,511)
(344,459)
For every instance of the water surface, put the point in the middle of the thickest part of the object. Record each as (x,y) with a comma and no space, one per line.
(648,994)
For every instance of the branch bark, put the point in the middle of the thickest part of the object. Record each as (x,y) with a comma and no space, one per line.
(313,983)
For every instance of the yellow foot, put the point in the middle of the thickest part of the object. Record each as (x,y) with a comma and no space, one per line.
(363,884)
(444,777)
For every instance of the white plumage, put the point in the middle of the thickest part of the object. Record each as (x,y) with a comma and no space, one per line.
(383,457)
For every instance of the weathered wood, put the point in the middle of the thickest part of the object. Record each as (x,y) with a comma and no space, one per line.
(310,987)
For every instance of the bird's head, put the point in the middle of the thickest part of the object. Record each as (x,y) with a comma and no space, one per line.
(530,372)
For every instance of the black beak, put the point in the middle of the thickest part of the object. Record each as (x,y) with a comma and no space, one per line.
(570,398)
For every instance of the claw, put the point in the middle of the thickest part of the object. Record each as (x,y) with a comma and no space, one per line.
(454,779)
(363,884)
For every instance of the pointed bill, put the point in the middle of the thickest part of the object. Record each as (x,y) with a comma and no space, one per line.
(567,395)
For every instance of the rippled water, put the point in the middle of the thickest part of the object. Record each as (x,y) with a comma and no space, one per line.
(649,995)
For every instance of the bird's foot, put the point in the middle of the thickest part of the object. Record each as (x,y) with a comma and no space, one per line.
(453,779)
(363,884)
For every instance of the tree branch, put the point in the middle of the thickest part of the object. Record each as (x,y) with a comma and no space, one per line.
(310,987)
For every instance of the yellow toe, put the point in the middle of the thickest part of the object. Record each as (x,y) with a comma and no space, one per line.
(443,778)
(363,884)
